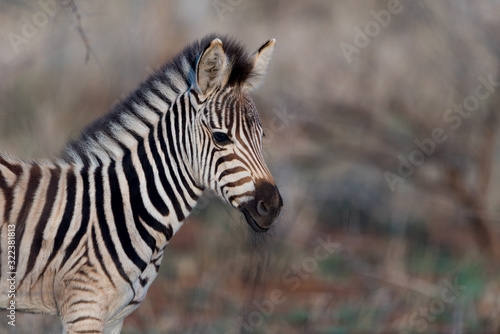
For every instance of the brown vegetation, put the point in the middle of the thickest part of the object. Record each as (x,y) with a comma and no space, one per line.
(337,124)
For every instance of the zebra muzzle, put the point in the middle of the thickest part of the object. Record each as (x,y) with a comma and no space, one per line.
(263,210)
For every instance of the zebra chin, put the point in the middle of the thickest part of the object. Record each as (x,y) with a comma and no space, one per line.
(262,211)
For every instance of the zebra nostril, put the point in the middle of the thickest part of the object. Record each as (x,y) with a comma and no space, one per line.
(262,208)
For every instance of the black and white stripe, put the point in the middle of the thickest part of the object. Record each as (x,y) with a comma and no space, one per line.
(91,226)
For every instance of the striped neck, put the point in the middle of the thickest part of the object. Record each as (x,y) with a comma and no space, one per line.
(140,152)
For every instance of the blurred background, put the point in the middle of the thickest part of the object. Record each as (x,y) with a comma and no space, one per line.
(382,133)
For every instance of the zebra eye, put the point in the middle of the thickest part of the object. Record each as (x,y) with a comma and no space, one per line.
(222,138)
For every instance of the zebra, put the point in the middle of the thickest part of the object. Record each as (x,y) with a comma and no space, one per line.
(82,236)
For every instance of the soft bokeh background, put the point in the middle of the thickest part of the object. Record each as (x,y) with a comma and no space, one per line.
(418,256)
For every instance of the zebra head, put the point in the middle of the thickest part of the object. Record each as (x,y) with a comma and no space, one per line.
(229,158)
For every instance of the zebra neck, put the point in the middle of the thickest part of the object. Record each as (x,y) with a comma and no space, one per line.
(145,140)
(161,186)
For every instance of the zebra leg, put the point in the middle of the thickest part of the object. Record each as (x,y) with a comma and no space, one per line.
(85,320)
(83,307)
(114,327)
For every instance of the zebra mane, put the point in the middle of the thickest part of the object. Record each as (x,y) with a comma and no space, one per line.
(241,62)
(171,80)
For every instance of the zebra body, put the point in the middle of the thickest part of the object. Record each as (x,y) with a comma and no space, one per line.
(91,226)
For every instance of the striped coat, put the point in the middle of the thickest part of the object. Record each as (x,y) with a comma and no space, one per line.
(83,236)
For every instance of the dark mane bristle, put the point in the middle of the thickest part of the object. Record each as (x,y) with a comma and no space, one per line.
(240,60)
(241,68)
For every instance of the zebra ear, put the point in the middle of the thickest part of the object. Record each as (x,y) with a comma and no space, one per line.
(211,67)
(261,61)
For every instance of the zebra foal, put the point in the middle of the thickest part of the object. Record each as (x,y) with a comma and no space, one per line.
(85,233)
